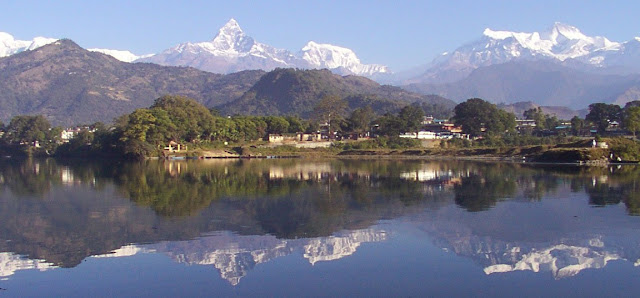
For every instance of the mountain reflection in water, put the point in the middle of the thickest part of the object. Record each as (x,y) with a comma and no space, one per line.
(236,214)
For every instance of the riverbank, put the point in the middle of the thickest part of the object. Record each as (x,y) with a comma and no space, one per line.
(582,152)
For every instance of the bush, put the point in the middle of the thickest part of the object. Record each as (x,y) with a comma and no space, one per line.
(379,143)
(624,148)
(398,142)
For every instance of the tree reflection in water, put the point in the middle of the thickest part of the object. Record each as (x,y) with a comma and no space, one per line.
(64,211)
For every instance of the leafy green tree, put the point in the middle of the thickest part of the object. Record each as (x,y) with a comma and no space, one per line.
(601,114)
(330,109)
(501,122)
(551,122)
(475,114)
(631,119)
(577,125)
(411,117)
(360,119)
(390,125)
(250,128)
(27,129)
(163,129)
(225,129)
(189,117)
(276,124)
(295,124)
(537,115)
(472,115)
(139,122)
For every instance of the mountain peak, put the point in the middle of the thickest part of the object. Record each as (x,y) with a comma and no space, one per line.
(230,29)
(231,38)
(497,34)
(233,50)
(9,45)
(567,31)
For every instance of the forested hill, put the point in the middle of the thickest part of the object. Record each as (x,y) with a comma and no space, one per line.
(70,85)
(296,92)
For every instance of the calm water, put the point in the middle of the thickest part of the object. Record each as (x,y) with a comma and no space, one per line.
(317,228)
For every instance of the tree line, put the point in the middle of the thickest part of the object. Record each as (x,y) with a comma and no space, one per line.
(184,120)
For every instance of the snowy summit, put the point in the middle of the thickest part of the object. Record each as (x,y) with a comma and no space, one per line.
(232,50)
(561,43)
(9,45)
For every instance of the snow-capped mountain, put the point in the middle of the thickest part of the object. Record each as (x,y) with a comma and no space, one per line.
(9,45)
(124,56)
(338,58)
(561,43)
(232,50)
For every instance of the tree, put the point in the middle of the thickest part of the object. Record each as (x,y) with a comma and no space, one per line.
(214,112)
(601,114)
(577,125)
(551,122)
(475,114)
(190,118)
(329,109)
(411,117)
(28,130)
(537,115)
(139,122)
(276,124)
(500,122)
(360,119)
(631,119)
(226,129)
(390,125)
(634,103)
(295,124)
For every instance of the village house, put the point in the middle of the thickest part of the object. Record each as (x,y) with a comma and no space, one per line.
(174,147)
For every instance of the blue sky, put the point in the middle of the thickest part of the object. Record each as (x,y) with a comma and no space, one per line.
(400,34)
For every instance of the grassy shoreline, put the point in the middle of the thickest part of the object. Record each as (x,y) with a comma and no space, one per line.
(561,153)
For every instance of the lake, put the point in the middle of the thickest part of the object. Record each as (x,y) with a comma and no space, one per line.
(306,228)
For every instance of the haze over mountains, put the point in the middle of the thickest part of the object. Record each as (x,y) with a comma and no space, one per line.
(560,66)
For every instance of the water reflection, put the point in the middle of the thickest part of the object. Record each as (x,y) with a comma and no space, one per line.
(236,214)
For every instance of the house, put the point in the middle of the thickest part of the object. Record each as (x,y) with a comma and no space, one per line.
(175,147)
(312,137)
(525,123)
(423,135)
(276,138)
(68,134)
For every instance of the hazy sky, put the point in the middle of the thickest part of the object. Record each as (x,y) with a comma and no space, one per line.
(397,33)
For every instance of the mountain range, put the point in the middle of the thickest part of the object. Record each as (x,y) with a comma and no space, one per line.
(232,50)
(561,44)
(560,66)
(71,85)
(543,82)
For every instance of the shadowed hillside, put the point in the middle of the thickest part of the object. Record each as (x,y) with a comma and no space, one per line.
(290,91)
(70,85)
